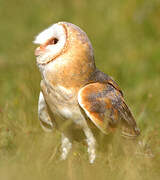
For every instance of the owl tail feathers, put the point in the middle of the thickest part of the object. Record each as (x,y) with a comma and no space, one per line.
(130,132)
(128,124)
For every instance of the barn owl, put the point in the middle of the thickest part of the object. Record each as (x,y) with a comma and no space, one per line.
(74,93)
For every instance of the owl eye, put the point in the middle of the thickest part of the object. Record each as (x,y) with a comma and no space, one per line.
(55,41)
(52,41)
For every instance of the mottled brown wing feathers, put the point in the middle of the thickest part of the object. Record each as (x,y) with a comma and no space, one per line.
(101,77)
(104,105)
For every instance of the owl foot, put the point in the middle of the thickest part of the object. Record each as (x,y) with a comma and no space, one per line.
(91,142)
(65,147)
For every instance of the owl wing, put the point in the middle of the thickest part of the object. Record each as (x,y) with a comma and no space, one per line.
(104,104)
(46,121)
(46,116)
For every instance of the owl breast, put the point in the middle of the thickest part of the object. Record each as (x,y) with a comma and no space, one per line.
(64,106)
(62,101)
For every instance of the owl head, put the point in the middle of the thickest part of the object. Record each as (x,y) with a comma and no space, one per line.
(63,40)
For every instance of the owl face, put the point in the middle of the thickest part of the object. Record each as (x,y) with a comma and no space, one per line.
(62,39)
(52,42)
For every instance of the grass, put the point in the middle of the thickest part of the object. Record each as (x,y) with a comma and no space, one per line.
(125,36)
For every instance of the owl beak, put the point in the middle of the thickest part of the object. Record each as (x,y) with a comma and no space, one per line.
(39,50)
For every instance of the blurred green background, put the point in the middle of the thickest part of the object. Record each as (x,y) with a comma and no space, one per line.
(126,39)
